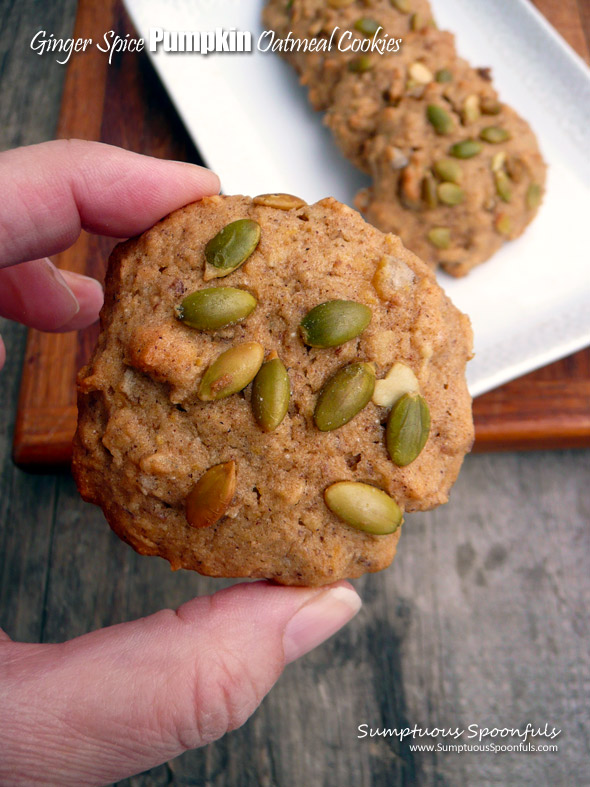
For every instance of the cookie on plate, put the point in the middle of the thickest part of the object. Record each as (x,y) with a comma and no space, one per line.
(426,65)
(344,24)
(275,383)
(467,185)
(456,173)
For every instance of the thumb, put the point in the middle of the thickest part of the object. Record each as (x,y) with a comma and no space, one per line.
(123,699)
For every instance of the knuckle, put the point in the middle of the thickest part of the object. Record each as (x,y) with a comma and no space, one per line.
(224,695)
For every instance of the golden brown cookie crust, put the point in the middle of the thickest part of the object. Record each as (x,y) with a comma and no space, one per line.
(144,438)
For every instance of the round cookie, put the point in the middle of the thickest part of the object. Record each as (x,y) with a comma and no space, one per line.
(453,211)
(145,438)
(321,71)
(399,81)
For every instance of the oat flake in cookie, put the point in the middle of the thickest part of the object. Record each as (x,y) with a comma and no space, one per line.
(241,450)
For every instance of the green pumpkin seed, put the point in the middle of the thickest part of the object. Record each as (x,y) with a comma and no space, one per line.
(489,106)
(360,64)
(368,27)
(405,6)
(467,148)
(231,247)
(334,322)
(448,170)
(407,429)
(231,371)
(450,194)
(440,119)
(444,75)
(271,392)
(503,224)
(417,22)
(503,187)
(364,507)
(344,395)
(429,191)
(210,497)
(440,237)
(533,196)
(494,134)
(215,307)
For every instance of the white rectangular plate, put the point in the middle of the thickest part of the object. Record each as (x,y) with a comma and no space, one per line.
(530,304)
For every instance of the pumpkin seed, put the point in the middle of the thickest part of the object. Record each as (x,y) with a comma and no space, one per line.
(533,196)
(440,237)
(368,27)
(211,496)
(439,119)
(444,75)
(344,395)
(231,371)
(429,191)
(503,187)
(360,64)
(408,427)
(231,247)
(215,307)
(364,507)
(448,170)
(494,134)
(334,322)
(467,148)
(270,394)
(279,201)
(450,194)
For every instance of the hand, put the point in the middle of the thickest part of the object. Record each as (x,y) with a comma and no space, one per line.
(118,701)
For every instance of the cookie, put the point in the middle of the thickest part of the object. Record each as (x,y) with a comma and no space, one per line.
(342,23)
(157,411)
(461,195)
(426,66)
(456,173)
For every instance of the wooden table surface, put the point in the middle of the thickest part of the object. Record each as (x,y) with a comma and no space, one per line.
(483,617)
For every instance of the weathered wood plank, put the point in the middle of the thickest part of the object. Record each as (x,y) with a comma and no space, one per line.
(30,89)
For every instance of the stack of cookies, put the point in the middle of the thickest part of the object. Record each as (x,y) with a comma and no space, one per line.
(456,172)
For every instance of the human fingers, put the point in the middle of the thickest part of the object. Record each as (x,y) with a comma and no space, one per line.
(37,294)
(126,698)
(52,190)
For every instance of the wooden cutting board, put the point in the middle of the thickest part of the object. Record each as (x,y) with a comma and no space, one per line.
(124,104)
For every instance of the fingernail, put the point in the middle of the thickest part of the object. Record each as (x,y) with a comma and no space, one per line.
(90,296)
(203,172)
(67,310)
(318,619)
(71,278)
